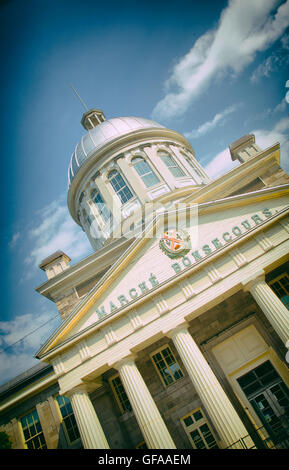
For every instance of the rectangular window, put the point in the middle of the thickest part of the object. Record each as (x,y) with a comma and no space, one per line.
(68,419)
(198,430)
(32,431)
(280,286)
(120,394)
(166,365)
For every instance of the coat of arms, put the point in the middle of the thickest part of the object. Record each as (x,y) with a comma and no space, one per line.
(175,243)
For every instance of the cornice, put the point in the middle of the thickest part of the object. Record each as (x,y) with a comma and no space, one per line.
(69,276)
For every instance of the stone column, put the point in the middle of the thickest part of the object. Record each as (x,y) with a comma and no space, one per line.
(90,429)
(221,411)
(272,307)
(146,412)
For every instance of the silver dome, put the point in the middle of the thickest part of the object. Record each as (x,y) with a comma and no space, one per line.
(100,135)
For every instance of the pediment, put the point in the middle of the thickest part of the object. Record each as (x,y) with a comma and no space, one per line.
(211,227)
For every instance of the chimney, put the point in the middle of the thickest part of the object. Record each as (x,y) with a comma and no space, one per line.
(244,148)
(55,264)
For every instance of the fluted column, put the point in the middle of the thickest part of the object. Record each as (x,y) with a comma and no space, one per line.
(90,429)
(272,307)
(146,412)
(221,411)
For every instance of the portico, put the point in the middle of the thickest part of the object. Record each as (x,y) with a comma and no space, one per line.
(98,344)
(227,423)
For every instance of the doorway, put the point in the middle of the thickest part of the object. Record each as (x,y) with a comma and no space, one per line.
(269,396)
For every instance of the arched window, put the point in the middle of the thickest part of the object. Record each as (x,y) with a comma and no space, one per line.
(101,205)
(120,186)
(145,172)
(174,168)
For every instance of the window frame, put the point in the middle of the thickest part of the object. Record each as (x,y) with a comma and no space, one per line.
(196,426)
(276,279)
(35,435)
(159,350)
(177,164)
(62,421)
(141,445)
(151,171)
(127,186)
(193,165)
(105,209)
(121,407)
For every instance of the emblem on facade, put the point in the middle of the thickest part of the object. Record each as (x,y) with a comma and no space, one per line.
(175,243)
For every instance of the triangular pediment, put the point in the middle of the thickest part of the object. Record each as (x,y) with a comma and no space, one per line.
(212,227)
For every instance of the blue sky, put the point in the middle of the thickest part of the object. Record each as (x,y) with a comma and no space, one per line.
(212,70)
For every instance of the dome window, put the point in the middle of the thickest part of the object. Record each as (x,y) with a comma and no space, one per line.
(120,186)
(101,205)
(89,220)
(144,170)
(170,163)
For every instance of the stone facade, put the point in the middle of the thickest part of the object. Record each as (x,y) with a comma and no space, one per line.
(173,402)
(185,342)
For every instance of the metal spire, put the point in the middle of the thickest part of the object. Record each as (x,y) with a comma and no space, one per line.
(79,97)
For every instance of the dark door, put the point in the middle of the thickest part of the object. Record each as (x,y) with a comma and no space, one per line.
(269,396)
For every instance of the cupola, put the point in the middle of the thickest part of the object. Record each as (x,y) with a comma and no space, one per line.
(92,118)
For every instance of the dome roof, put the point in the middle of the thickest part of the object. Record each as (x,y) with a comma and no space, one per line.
(100,135)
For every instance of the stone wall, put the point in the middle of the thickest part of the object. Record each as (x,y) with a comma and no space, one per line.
(48,416)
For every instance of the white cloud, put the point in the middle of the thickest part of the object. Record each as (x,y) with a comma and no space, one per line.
(265,69)
(221,164)
(279,133)
(280,107)
(14,240)
(285,41)
(218,119)
(275,62)
(56,230)
(15,364)
(34,329)
(14,330)
(245,27)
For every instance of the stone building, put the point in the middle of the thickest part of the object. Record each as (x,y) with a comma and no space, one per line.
(174,330)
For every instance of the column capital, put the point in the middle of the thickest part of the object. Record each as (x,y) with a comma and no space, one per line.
(83,387)
(248,283)
(90,429)
(172,331)
(129,359)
